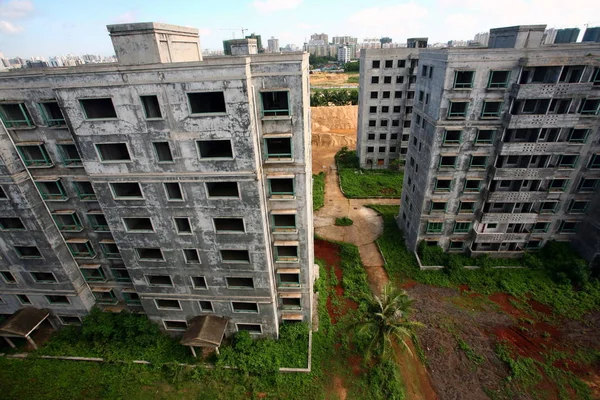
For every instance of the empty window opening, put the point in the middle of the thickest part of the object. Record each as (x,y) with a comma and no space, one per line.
(484,136)
(120,273)
(578,207)
(15,115)
(540,227)
(43,277)
(174,192)
(168,304)
(237,283)
(8,277)
(110,250)
(151,106)
(375,64)
(452,137)
(478,161)
(67,320)
(539,75)
(199,282)
(498,79)
(568,161)
(463,79)
(207,102)
(288,279)
(447,161)
(159,280)
(3,195)
(571,73)
(150,254)
(406,124)
(578,135)
(594,161)
(558,185)
(443,185)
(284,222)
(215,148)
(192,256)
(93,274)
(281,186)
(67,221)
(69,155)
(175,325)
(548,207)
(277,148)
(98,108)
(371,136)
(458,109)
(568,226)
(81,248)
(34,155)
(253,329)
(559,106)
(163,152)
(98,221)
(596,77)
(237,256)
(590,107)
(275,104)
(290,303)
(182,225)
(23,299)
(55,299)
(491,109)
(51,113)
(456,245)
(374,79)
(286,253)
(434,227)
(466,207)
(229,224)
(11,224)
(132,298)
(126,190)
(389,63)
(84,190)
(138,224)
(387,79)
(222,189)
(242,307)
(373,95)
(113,152)
(205,306)
(438,206)
(28,252)
(588,185)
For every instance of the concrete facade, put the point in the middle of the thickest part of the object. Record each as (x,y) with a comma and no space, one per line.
(504,151)
(179,188)
(386,95)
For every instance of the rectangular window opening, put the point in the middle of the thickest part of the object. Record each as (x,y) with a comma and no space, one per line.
(216,149)
(275,104)
(240,283)
(98,108)
(222,189)
(229,224)
(151,107)
(173,190)
(162,150)
(126,190)
(207,102)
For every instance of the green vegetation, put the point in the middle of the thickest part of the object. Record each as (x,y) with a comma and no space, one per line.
(352,79)
(359,183)
(317,62)
(469,352)
(318,191)
(547,280)
(386,322)
(334,97)
(353,66)
(344,221)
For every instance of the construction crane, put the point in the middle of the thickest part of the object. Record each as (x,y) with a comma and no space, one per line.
(234,30)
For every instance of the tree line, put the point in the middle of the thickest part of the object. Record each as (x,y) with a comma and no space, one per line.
(336,97)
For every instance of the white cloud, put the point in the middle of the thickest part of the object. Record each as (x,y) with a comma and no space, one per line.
(15,9)
(275,5)
(127,17)
(398,21)
(11,11)
(9,27)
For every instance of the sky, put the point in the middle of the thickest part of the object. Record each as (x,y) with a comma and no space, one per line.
(57,27)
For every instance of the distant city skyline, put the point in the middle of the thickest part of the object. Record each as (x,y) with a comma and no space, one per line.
(35,28)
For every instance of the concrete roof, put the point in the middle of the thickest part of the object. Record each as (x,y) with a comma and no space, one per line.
(23,322)
(205,331)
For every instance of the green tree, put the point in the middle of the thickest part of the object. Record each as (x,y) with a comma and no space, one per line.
(387,321)
(353,66)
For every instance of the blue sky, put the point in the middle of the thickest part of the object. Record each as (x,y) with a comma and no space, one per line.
(54,27)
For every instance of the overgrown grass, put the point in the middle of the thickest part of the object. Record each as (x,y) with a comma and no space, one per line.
(318,191)
(352,79)
(540,282)
(365,183)
(344,221)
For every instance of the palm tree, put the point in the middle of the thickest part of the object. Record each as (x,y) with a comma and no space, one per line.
(387,321)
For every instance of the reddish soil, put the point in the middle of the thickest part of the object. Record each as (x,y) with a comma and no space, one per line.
(539,307)
(506,301)
(463,288)
(409,284)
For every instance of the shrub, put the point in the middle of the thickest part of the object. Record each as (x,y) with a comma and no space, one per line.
(318,191)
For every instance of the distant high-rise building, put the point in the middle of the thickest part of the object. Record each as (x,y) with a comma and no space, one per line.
(344,54)
(482,38)
(273,45)
(259,44)
(344,40)
(320,36)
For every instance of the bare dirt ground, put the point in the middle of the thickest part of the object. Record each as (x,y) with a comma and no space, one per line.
(332,129)
(327,79)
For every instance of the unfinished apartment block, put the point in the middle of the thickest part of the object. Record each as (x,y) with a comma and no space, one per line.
(386,95)
(503,152)
(165,184)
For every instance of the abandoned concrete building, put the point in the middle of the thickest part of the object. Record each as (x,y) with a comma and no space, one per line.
(165,183)
(387,84)
(503,153)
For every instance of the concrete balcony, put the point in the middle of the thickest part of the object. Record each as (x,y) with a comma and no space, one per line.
(550,90)
(523,218)
(537,120)
(498,254)
(516,197)
(506,149)
(531,173)
(501,237)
